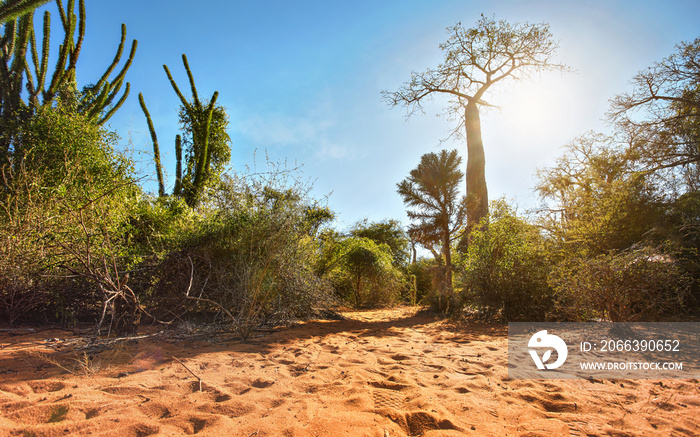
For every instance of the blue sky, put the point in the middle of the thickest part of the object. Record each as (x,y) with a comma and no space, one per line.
(301,81)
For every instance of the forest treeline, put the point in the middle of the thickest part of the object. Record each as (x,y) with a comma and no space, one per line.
(81,241)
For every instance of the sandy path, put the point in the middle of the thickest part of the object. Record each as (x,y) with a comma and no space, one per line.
(377,373)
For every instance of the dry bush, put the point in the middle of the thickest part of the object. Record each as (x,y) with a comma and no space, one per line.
(23,247)
(640,284)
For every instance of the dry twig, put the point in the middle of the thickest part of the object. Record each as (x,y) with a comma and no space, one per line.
(188,369)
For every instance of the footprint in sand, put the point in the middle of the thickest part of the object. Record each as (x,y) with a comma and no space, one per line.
(388,394)
(193,424)
(400,357)
(551,402)
(47,386)
(390,400)
(262,383)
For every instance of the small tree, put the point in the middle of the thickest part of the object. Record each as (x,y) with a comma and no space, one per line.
(360,269)
(439,212)
(364,260)
(387,232)
(475,60)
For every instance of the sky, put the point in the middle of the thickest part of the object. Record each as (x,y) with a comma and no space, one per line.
(301,81)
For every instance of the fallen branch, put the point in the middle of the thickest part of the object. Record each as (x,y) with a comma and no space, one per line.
(188,369)
(52,361)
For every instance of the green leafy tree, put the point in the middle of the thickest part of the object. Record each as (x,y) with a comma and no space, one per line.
(360,269)
(598,200)
(365,260)
(438,213)
(475,60)
(366,273)
(206,142)
(387,232)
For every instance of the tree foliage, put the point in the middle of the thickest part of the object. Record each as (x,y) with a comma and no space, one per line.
(623,208)
(438,211)
(387,232)
(504,272)
(360,269)
(599,200)
(661,114)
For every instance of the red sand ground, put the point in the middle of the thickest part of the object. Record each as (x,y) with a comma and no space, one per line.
(377,373)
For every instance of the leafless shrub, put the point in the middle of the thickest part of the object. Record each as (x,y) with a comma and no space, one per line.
(641,284)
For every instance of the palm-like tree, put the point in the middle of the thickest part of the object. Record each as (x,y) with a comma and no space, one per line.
(437,210)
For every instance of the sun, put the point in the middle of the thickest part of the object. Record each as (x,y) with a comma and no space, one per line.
(530,108)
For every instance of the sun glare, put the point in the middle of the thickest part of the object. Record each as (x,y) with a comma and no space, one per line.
(530,108)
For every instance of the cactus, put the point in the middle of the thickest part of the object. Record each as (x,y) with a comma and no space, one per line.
(198,121)
(156,148)
(22,60)
(178,166)
(10,10)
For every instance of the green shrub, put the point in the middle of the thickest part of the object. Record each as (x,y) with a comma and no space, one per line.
(251,257)
(360,270)
(389,232)
(422,270)
(64,200)
(504,272)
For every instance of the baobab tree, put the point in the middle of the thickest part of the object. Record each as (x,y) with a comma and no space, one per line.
(475,60)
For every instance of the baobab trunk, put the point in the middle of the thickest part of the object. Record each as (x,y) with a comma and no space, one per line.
(477,193)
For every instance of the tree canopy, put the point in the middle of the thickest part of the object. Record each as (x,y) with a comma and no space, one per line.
(661,114)
(389,232)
